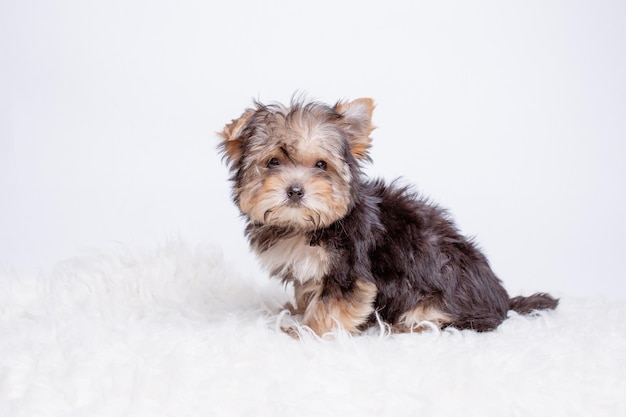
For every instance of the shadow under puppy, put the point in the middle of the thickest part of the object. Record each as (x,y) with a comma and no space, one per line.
(352,246)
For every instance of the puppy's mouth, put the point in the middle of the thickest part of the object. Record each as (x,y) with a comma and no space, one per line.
(315,219)
(294,215)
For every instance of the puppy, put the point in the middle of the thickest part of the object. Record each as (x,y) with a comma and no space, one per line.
(353,247)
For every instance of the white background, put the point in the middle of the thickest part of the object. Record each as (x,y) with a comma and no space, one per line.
(510,114)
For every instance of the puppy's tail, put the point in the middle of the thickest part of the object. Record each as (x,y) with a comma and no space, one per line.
(539,301)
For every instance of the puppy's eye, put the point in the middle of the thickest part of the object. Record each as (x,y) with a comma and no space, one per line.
(321,165)
(273,163)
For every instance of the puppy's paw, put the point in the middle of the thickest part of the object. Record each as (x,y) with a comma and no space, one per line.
(291,331)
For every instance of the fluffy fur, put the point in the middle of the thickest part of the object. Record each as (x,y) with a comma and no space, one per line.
(354,247)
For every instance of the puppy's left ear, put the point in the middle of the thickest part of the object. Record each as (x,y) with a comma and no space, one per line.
(357,121)
(231,145)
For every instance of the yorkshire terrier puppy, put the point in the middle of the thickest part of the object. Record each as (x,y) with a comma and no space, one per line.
(354,247)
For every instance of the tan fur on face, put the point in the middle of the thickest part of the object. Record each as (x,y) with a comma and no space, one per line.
(264,199)
(350,312)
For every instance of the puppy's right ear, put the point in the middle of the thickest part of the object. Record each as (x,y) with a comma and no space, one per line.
(357,122)
(232,146)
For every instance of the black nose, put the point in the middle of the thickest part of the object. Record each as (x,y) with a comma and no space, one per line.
(295,193)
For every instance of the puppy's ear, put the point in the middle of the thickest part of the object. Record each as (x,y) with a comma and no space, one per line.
(231,145)
(357,121)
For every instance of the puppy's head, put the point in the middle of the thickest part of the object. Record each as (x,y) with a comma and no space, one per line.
(296,166)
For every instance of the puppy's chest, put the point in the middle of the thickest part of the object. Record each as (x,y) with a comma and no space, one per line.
(293,258)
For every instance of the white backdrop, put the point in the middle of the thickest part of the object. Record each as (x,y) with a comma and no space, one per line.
(511,114)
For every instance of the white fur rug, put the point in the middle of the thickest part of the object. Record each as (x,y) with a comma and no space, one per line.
(175,332)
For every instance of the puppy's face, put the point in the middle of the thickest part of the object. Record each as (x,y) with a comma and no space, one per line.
(295,166)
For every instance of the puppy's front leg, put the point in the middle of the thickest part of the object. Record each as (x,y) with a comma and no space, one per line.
(303,293)
(348,310)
